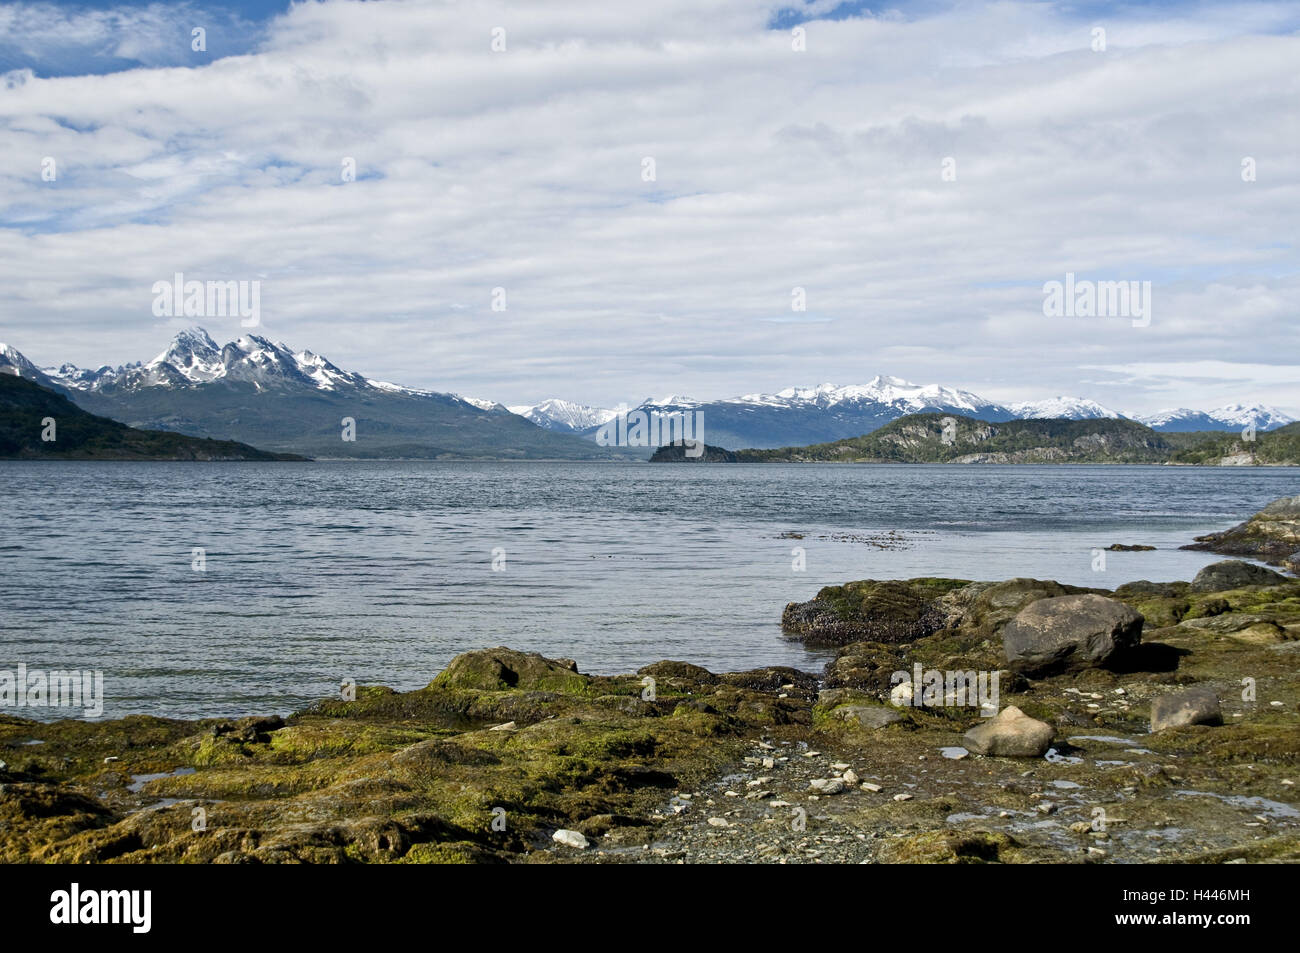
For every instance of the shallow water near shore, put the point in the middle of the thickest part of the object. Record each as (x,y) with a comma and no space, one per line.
(382,572)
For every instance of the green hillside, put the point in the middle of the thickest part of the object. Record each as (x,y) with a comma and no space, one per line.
(26,409)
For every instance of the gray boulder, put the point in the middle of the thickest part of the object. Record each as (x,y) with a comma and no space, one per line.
(1234,574)
(1067,633)
(1195,706)
(1012,734)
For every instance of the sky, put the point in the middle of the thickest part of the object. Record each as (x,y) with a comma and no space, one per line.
(654,188)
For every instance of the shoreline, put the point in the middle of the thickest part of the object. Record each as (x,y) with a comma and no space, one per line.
(1110,726)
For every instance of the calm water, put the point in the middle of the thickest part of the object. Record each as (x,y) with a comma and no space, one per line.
(381,572)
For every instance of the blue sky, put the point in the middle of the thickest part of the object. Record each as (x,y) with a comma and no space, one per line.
(776,169)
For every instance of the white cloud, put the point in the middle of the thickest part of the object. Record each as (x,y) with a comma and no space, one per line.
(775,169)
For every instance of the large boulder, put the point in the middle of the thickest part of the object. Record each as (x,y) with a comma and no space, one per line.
(1012,734)
(1068,633)
(501,669)
(1271,535)
(981,609)
(1195,706)
(1235,574)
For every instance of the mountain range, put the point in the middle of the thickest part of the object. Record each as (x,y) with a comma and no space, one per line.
(268,395)
(800,416)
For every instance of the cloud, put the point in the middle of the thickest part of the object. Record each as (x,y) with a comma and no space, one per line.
(774,169)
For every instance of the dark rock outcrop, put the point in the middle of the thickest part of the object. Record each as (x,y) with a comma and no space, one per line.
(1234,574)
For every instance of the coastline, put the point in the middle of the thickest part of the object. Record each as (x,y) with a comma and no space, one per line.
(673,763)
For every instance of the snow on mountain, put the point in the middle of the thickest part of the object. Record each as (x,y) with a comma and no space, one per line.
(1229,417)
(194,354)
(564,415)
(480,403)
(893,391)
(1069,408)
(194,359)
(1261,415)
(13,362)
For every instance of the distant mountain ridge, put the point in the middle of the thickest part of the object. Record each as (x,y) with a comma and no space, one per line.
(800,416)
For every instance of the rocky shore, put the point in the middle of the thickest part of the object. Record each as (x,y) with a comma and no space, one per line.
(1013,721)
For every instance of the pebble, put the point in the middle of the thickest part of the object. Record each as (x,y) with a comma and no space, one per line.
(769,763)
(570,839)
(868,786)
(1045,807)
(719,822)
(851,778)
(902,797)
(839,766)
(508,726)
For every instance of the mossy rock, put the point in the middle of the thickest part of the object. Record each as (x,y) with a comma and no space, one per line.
(888,611)
(953,847)
(503,669)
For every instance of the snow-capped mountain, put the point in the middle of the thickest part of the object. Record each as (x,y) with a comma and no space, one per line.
(194,359)
(564,415)
(1229,417)
(1068,408)
(887,391)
